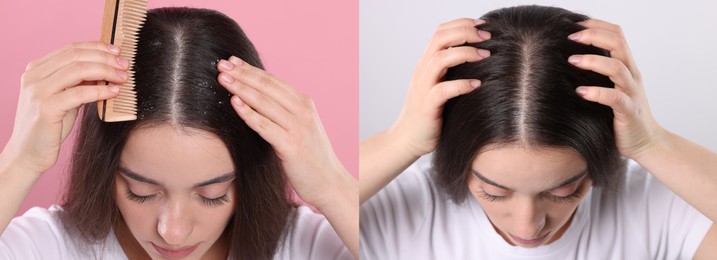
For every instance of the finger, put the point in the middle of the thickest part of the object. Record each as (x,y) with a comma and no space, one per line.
(93,45)
(611,41)
(600,24)
(262,81)
(68,121)
(447,58)
(72,98)
(267,129)
(80,55)
(460,22)
(446,90)
(75,73)
(456,36)
(262,103)
(622,105)
(612,68)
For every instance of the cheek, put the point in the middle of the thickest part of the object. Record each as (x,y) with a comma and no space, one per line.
(498,212)
(138,219)
(211,222)
(220,216)
(559,213)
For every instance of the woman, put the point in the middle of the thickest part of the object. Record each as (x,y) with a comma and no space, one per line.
(525,165)
(201,173)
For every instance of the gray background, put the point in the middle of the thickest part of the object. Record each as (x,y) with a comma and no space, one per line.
(673,43)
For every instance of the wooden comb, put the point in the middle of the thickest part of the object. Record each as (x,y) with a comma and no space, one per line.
(120,26)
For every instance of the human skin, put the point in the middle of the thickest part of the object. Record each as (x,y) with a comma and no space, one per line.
(538,204)
(288,120)
(53,88)
(384,156)
(173,216)
(684,167)
(51,91)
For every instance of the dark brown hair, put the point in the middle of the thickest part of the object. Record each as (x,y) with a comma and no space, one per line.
(527,96)
(176,83)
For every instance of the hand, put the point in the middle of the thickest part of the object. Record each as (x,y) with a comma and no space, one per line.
(636,130)
(52,89)
(419,123)
(289,122)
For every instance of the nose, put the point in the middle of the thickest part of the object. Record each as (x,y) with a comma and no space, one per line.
(528,219)
(174,224)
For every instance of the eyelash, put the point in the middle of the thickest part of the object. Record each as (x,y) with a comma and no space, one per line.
(559,199)
(216,202)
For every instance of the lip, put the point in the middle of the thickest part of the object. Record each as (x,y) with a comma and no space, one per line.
(529,242)
(175,253)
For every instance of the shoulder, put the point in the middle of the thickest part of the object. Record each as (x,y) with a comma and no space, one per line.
(403,213)
(39,233)
(414,186)
(311,236)
(408,197)
(640,189)
(671,226)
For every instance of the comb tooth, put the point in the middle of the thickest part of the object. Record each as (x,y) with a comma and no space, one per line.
(130,111)
(133,12)
(126,104)
(130,99)
(126,95)
(128,91)
(128,86)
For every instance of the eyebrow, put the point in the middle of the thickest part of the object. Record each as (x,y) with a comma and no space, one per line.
(571,180)
(138,177)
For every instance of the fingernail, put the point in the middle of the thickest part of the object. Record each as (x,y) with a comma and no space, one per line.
(483,53)
(122,74)
(483,34)
(112,48)
(574,36)
(479,21)
(124,63)
(226,78)
(575,59)
(114,88)
(475,83)
(583,23)
(235,60)
(225,65)
(581,91)
(237,101)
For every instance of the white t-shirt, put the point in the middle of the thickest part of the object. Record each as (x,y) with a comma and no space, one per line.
(412,219)
(39,234)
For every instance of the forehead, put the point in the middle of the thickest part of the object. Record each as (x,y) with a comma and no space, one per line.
(176,156)
(528,168)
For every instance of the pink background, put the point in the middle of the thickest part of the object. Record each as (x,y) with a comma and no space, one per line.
(312,45)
